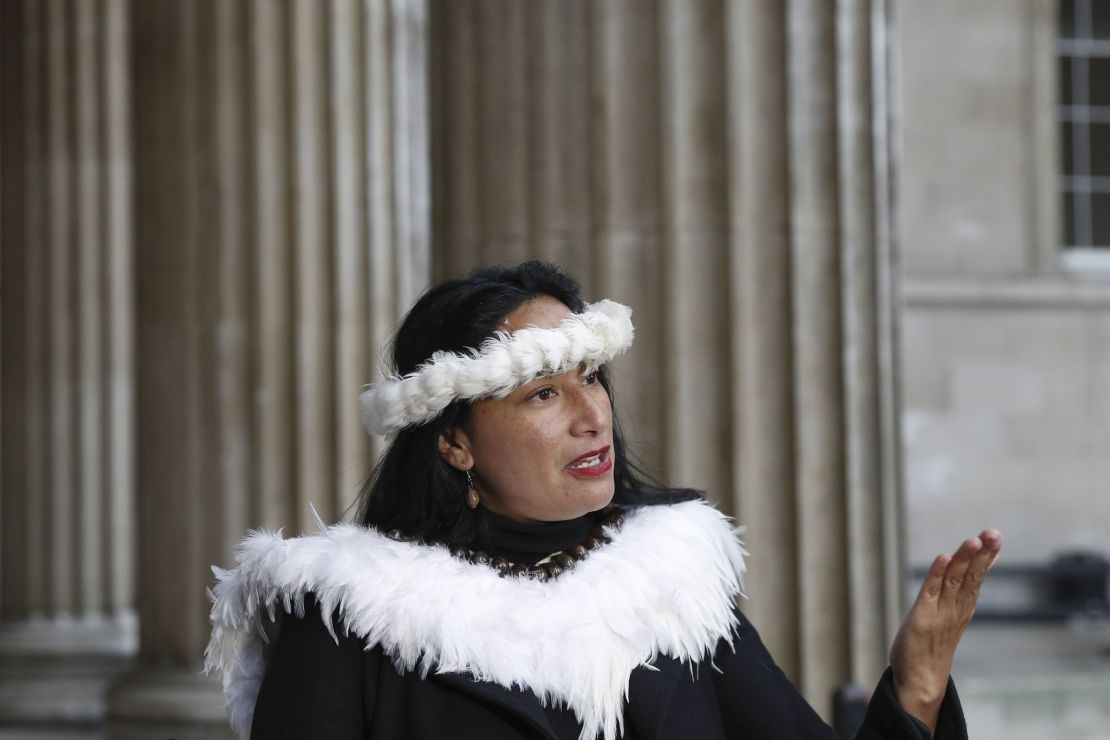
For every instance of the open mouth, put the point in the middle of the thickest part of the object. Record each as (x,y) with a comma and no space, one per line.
(595,462)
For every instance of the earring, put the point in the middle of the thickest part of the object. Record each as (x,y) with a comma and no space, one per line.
(471,492)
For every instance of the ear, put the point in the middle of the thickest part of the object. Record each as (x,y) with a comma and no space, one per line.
(454,448)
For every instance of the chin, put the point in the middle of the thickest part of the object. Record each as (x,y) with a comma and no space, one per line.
(600,501)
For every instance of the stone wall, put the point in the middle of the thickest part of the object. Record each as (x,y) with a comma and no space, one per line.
(1005,350)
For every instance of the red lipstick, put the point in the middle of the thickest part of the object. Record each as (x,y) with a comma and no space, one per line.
(603,465)
(591,453)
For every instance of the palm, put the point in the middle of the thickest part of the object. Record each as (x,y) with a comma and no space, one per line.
(921,657)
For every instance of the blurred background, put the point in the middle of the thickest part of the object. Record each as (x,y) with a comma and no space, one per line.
(867,244)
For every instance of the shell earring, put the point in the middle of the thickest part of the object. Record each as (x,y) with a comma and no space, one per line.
(471,492)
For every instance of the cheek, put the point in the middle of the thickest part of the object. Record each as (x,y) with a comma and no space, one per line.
(519,447)
(531,445)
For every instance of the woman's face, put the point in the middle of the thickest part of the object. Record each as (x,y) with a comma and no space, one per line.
(544,452)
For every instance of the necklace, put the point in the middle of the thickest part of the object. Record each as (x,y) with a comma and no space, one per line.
(549,567)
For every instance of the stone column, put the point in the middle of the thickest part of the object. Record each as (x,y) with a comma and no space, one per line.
(281,210)
(846,483)
(723,167)
(67,624)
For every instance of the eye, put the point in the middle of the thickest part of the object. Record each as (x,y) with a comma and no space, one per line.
(592,378)
(544,394)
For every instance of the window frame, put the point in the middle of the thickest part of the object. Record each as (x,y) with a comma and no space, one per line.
(1074,116)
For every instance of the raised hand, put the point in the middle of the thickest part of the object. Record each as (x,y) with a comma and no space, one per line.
(921,657)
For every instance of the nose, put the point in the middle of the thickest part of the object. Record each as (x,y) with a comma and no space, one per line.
(592,412)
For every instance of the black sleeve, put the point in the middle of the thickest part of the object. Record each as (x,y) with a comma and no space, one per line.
(756,699)
(886,718)
(313,687)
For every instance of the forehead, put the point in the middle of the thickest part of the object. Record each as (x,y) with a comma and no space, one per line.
(543,312)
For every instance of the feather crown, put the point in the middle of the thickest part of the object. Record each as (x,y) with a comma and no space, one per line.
(503,362)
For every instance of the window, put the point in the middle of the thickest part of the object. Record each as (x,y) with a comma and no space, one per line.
(1084,52)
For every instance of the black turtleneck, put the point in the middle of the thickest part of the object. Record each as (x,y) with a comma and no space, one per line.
(528,543)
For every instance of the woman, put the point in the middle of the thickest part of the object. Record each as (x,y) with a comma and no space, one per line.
(515,576)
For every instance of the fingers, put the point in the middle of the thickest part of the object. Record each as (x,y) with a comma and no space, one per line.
(992,542)
(991,537)
(934,580)
(983,560)
(958,569)
(961,574)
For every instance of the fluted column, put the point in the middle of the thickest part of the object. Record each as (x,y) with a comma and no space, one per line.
(281,203)
(67,588)
(764,424)
(729,182)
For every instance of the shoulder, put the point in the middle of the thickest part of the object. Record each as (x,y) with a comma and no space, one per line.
(693,531)
(348,562)
(665,584)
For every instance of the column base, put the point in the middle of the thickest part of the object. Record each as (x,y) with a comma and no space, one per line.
(55,674)
(173,704)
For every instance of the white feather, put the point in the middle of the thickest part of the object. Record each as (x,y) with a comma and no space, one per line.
(666,584)
(502,363)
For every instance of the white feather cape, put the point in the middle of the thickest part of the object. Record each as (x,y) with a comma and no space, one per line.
(667,584)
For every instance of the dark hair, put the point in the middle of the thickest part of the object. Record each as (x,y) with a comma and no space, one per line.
(413,492)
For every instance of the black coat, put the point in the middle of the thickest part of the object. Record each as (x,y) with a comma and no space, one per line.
(315,688)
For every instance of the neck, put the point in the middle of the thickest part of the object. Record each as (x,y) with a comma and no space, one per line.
(528,543)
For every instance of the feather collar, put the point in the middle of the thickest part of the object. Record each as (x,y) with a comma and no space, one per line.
(667,584)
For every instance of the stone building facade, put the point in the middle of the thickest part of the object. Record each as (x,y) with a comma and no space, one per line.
(1005,332)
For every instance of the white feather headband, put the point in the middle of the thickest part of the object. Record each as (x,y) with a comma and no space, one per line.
(504,362)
